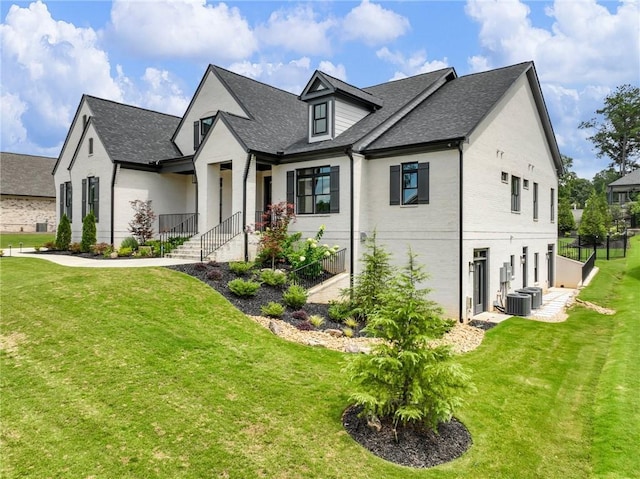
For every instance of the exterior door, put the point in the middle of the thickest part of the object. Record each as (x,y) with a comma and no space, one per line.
(267,193)
(480,303)
(525,265)
(551,248)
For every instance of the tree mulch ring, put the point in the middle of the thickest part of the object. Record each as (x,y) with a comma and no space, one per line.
(416,445)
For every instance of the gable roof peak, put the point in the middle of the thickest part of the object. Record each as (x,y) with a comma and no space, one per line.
(331,86)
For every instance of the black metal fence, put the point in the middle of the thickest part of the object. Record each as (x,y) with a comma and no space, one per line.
(580,249)
(176,229)
(319,271)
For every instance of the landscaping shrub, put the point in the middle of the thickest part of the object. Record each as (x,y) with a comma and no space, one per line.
(351,323)
(316,320)
(243,288)
(348,332)
(405,378)
(89,236)
(304,326)
(101,248)
(200,267)
(50,245)
(130,242)
(213,263)
(273,277)
(309,254)
(241,268)
(75,248)
(214,275)
(300,314)
(272,309)
(63,236)
(340,310)
(295,296)
(125,251)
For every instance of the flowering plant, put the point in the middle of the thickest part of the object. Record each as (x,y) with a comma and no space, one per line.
(311,252)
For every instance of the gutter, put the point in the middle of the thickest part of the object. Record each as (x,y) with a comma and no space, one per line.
(349,153)
(113,200)
(245,176)
(461,302)
(195,175)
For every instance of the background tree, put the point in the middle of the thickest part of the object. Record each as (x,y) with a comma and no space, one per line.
(617,130)
(575,190)
(141,226)
(89,237)
(603,178)
(594,222)
(406,378)
(63,235)
(566,223)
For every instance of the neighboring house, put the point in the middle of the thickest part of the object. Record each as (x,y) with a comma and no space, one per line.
(624,189)
(464,170)
(27,193)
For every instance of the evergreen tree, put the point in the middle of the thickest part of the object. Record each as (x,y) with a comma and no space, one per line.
(408,378)
(89,237)
(566,223)
(63,235)
(593,225)
(372,281)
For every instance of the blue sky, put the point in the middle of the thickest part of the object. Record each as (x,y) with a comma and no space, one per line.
(153,54)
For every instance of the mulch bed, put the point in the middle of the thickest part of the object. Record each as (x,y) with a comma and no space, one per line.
(416,445)
(251,305)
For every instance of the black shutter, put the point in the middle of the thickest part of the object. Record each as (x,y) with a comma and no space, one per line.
(84,198)
(70,193)
(63,199)
(423,183)
(291,187)
(334,188)
(196,135)
(96,197)
(394,185)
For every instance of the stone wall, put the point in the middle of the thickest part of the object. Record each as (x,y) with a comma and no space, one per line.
(21,213)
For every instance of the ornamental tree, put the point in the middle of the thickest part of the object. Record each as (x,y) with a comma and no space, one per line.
(407,378)
(275,237)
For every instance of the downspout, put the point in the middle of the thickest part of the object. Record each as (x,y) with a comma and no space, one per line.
(349,153)
(244,206)
(113,200)
(195,176)
(461,300)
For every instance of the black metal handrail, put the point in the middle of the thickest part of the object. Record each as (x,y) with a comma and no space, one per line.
(588,266)
(220,235)
(185,229)
(319,271)
(170,221)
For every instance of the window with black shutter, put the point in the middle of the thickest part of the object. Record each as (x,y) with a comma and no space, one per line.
(314,190)
(409,184)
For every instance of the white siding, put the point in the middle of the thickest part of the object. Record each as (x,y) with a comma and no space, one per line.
(169,194)
(213,96)
(511,140)
(347,115)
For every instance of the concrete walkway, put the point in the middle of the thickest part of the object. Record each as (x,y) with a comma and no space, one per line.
(79,262)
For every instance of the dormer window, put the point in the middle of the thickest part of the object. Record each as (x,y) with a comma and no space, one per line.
(320,120)
(205,125)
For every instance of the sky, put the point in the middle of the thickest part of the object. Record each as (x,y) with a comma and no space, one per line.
(153,54)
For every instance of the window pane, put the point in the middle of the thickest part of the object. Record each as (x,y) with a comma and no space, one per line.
(410,180)
(320,126)
(410,196)
(305,187)
(323,203)
(305,204)
(322,186)
(320,111)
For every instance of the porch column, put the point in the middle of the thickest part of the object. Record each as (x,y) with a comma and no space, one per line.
(208,195)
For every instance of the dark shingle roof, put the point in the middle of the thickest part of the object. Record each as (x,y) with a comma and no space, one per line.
(277,117)
(26,175)
(395,95)
(454,110)
(341,86)
(132,134)
(629,179)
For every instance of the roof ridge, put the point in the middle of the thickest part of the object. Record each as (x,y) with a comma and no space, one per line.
(219,68)
(409,78)
(492,70)
(130,106)
(345,82)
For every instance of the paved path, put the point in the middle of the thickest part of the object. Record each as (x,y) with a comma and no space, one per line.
(79,262)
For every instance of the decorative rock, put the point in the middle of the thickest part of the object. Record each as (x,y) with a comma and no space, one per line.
(336,333)
(275,328)
(315,342)
(351,348)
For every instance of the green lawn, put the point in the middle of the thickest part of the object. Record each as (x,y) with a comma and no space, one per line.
(149,373)
(27,239)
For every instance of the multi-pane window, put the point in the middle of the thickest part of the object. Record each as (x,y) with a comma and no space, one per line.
(535,201)
(313,190)
(552,211)
(536,261)
(90,196)
(66,200)
(515,193)
(320,119)
(410,183)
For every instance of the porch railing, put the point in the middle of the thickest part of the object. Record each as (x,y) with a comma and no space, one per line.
(220,235)
(173,232)
(319,271)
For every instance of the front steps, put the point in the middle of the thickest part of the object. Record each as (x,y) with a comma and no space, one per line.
(232,250)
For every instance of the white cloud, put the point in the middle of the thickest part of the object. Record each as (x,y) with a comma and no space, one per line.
(291,76)
(336,71)
(162,92)
(13,131)
(46,66)
(373,24)
(479,63)
(182,29)
(586,43)
(297,30)
(415,64)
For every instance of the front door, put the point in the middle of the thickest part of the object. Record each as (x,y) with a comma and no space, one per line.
(267,193)
(480,281)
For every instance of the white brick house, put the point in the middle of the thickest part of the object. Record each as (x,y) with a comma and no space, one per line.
(461,169)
